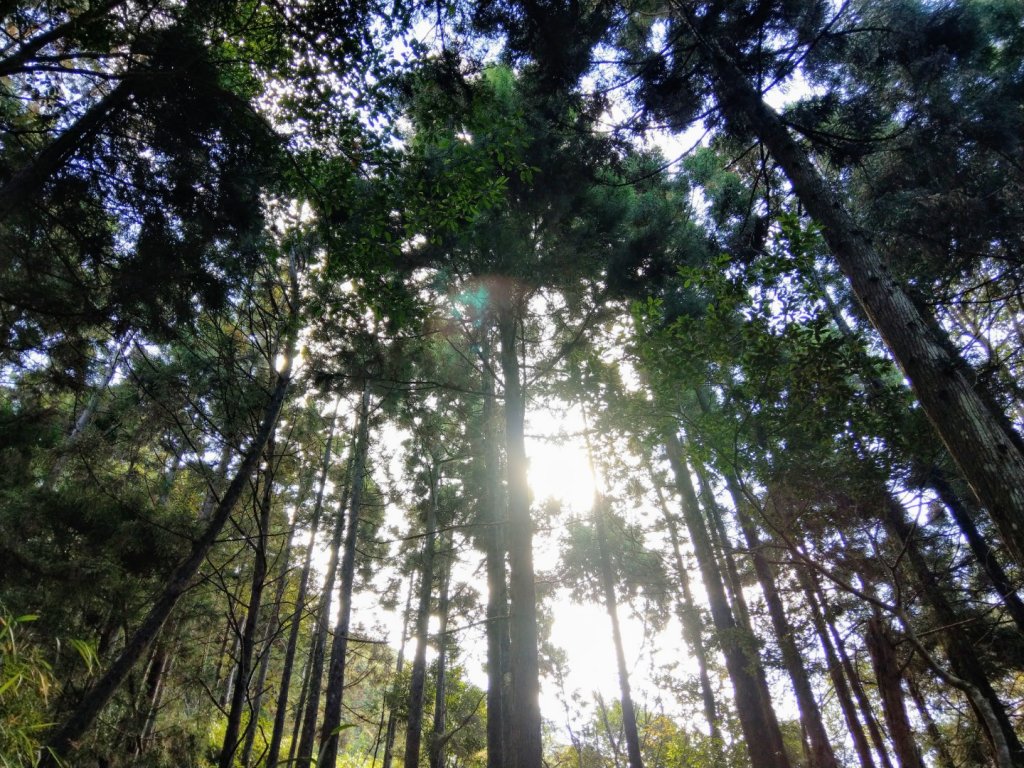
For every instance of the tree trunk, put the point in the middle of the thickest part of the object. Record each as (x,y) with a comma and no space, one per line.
(835,672)
(957,637)
(821,752)
(979,546)
(763,739)
(16,61)
(945,760)
(300,709)
(437,741)
(613,738)
(86,416)
(329,735)
(722,545)
(932,476)
(611,605)
(307,738)
(888,677)
(525,716)
(977,438)
(493,514)
(235,634)
(243,670)
(155,683)
(389,737)
(853,677)
(689,617)
(93,702)
(417,681)
(269,636)
(274,749)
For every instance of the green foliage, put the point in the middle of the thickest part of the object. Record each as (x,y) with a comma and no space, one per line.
(26,685)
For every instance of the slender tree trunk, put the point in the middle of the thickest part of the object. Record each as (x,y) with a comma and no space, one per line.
(248,639)
(853,677)
(269,636)
(821,752)
(722,545)
(932,476)
(987,559)
(945,760)
(300,709)
(329,735)
(274,749)
(220,473)
(689,617)
(983,447)
(525,715)
(97,697)
(835,672)
(236,641)
(956,638)
(389,737)
(307,738)
(155,682)
(437,742)
(611,605)
(417,681)
(498,714)
(763,739)
(887,674)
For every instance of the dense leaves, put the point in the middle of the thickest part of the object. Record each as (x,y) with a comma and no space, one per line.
(301,302)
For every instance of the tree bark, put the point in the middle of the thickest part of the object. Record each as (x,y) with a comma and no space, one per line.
(273,627)
(300,710)
(417,681)
(24,185)
(277,735)
(155,685)
(890,690)
(85,417)
(307,737)
(525,718)
(329,736)
(493,514)
(437,742)
(987,559)
(389,737)
(763,738)
(976,437)
(821,752)
(689,617)
(243,669)
(945,760)
(835,672)
(725,551)
(932,476)
(17,60)
(956,637)
(611,605)
(853,677)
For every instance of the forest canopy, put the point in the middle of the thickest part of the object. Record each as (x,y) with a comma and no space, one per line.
(541,384)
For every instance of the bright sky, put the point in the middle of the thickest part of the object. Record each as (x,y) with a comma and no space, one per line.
(558,470)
